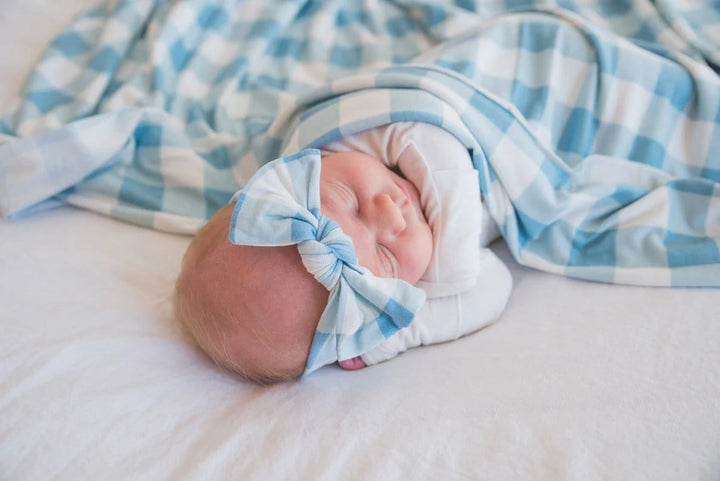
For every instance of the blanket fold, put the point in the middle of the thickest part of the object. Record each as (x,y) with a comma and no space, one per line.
(595,138)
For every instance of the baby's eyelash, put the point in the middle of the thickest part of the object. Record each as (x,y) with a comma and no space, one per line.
(347,195)
(388,260)
(355,201)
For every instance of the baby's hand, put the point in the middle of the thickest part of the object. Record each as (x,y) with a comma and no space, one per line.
(352,364)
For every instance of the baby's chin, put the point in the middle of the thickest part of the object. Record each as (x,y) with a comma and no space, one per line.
(352,364)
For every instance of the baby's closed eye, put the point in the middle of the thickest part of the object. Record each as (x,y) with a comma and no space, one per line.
(388,261)
(339,196)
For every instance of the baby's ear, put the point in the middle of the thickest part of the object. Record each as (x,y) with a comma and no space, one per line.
(352,364)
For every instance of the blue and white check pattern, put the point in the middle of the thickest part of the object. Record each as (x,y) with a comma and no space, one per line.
(280,205)
(593,125)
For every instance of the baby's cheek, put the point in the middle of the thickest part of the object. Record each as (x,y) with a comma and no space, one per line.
(414,260)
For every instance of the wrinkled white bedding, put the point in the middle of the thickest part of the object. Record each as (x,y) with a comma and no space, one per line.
(577,381)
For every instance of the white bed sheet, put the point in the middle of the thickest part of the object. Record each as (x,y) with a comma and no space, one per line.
(577,381)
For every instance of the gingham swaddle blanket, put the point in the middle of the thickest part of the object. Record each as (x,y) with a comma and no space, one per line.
(593,127)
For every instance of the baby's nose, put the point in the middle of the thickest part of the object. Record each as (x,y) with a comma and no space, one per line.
(388,216)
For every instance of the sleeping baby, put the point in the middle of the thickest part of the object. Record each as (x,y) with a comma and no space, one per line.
(330,256)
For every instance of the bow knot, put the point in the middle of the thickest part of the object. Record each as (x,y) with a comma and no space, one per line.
(325,256)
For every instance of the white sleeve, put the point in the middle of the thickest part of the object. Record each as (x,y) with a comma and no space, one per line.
(448,318)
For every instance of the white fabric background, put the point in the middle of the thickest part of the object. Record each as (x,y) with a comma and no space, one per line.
(577,381)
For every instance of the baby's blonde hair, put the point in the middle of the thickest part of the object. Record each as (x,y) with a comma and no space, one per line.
(210,323)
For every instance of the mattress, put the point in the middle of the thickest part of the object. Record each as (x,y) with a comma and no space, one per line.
(576,380)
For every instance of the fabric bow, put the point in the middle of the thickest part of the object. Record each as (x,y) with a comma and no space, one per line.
(280,205)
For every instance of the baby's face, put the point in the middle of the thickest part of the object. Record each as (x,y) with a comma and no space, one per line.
(380,211)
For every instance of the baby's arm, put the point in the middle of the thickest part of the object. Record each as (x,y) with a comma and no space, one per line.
(448,318)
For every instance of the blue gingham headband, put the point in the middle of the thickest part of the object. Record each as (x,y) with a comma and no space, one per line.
(280,205)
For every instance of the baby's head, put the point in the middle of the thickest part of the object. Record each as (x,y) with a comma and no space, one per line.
(254,310)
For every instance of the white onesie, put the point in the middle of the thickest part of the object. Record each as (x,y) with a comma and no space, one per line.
(466,284)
